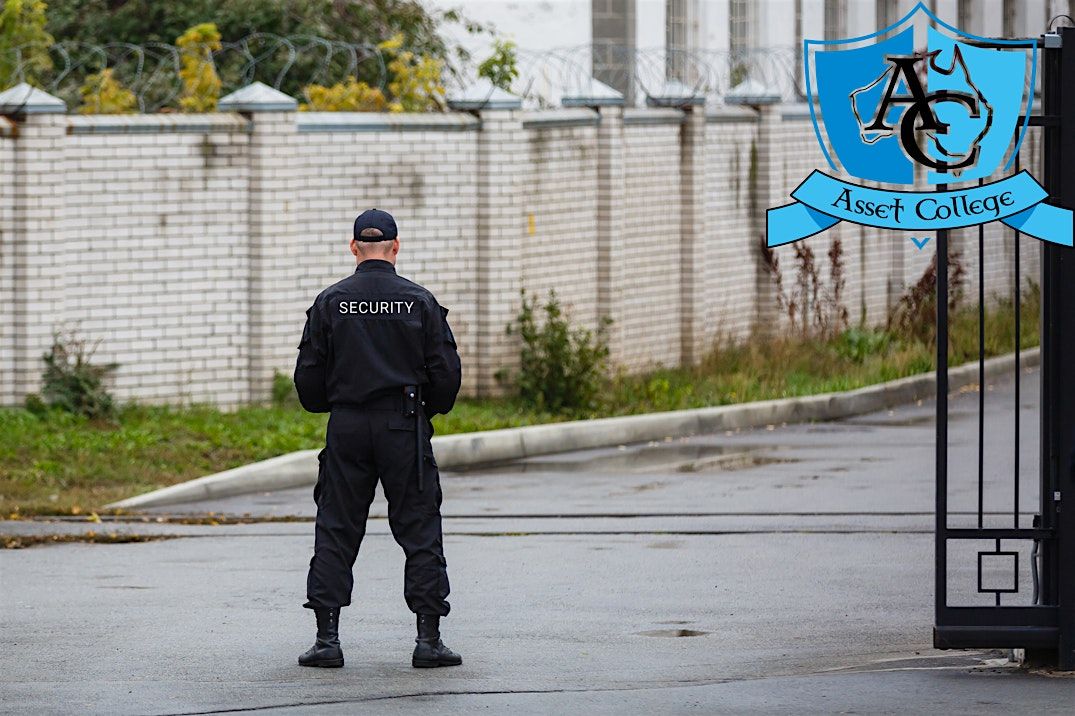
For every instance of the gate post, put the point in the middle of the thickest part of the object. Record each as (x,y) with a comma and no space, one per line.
(1058,355)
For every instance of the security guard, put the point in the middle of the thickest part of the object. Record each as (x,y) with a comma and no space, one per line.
(377,353)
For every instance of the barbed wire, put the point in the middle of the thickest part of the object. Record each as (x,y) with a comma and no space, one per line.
(151,71)
(545,77)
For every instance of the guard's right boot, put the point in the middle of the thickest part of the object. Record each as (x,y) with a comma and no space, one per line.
(429,650)
(326,651)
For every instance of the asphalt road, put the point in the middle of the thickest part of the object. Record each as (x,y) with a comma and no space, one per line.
(781,570)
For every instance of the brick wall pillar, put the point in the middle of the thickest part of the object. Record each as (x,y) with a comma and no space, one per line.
(39,255)
(501,228)
(272,237)
(611,205)
(694,314)
(765,192)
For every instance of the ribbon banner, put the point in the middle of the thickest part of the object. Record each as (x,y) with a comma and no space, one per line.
(822,201)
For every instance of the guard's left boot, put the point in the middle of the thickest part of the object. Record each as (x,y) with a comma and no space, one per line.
(429,650)
(326,651)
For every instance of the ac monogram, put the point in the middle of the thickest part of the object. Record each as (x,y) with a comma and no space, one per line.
(920,110)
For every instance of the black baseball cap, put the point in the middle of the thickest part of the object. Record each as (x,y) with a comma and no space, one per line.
(375,219)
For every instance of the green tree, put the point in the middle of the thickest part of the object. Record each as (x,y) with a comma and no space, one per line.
(502,67)
(99,22)
(417,80)
(347,96)
(24,42)
(201,84)
(102,93)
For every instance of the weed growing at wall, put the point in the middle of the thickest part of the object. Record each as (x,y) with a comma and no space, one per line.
(201,85)
(561,368)
(915,314)
(72,382)
(814,309)
(283,391)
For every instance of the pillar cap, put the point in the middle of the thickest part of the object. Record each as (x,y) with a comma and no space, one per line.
(591,93)
(483,94)
(257,97)
(753,93)
(25,99)
(674,93)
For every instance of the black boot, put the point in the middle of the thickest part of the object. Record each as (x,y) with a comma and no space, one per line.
(429,650)
(326,650)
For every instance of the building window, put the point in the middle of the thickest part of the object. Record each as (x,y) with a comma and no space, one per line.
(677,39)
(741,21)
(740,40)
(835,19)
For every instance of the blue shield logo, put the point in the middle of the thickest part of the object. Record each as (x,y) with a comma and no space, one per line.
(948,106)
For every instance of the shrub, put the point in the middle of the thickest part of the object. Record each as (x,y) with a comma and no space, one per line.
(23,37)
(103,94)
(561,369)
(201,84)
(283,390)
(72,383)
(858,344)
(915,314)
(349,96)
(502,67)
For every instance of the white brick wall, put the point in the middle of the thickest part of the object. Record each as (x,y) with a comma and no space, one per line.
(156,257)
(559,207)
(648,314)
(190,246)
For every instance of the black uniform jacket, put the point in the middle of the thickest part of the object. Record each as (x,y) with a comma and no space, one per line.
(371,334)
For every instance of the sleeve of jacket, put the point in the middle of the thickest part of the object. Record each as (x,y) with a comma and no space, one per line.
(441,360)
(311,368)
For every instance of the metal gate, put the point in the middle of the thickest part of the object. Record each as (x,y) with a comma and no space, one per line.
(1040,541)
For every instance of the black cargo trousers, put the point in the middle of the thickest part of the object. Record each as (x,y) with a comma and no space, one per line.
(363,446)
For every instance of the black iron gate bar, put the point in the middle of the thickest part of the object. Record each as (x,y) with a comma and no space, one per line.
(1038,625)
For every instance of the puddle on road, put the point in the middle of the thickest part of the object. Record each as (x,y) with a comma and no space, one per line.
(737,461)
(892,421)
(24,541)
(670,544)
(673,632)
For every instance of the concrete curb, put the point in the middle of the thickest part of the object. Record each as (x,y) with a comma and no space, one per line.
(299,469)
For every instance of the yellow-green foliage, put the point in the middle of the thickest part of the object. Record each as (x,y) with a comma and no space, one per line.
(416,80)
(201,84)
(22,29)
(349,96)
(104,94)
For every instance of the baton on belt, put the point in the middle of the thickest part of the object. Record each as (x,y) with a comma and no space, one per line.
(412,401)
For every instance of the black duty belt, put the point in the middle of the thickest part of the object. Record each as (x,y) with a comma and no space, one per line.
(383,402)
